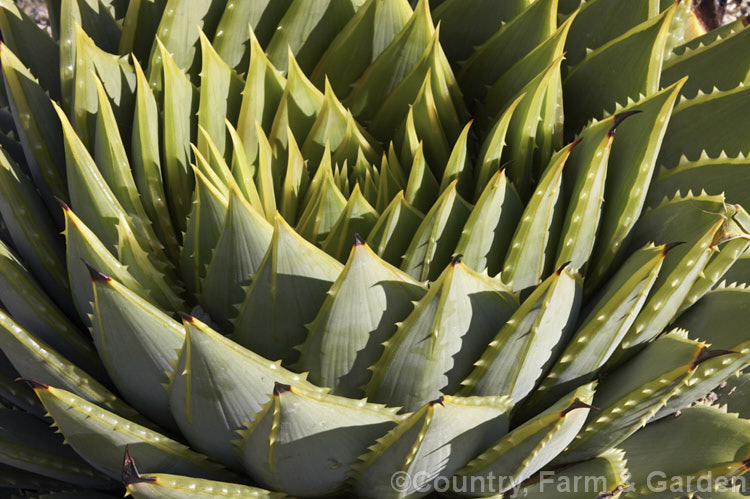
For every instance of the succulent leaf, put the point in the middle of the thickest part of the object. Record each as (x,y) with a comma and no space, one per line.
(727,70)
(431,247)
(35,311)
(686,126)
(600,21)
(100,438)
(632,162)
(146,163)
(97,22)
(30,445)
(178,34)
(220,97)
(630,396)
(264,87)
(393,64)
(22,36)
(529,255)
(298,276)
(486,236)
(373,27)
(136,342)
(435,346)
(460,36)
(647,40)
(390,236)
(165,486)
(527,345)
(38,128)
(437,440)
(32,230)
(341,345)
(180,107)
(491,152)
(699,435)
(610,318)
(704,226)
(527,448)
(606,474)
(34,359)
(305,442)
(534,24)
(307,28)
(242,245)
(358,217)
(208,360)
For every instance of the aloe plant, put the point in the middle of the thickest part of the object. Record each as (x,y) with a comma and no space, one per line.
(372,248)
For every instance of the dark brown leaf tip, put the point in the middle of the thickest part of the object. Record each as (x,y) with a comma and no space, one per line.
(279,388)
(562,267)
(36,385)
(62,204)
(187,318)
(96,276)
(707,354)
(576,404)
(619,118)
(130,473)
(669,247)
(438,401)
(358,241)
(574,144)
(612,493)
(456,260)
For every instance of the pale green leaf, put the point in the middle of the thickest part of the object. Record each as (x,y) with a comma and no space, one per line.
(305,442)
(390,236)
(435,347)
(529,447)
(358,315)
(375,24)
(432,245)
(136,342)
(100,438)
(286,293)
(307,29)
(207,415)
(486,236)
(435,441)
(632,162)
(525,348)
(245,236)
(640,49)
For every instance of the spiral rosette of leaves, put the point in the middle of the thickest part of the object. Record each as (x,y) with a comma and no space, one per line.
(266,247)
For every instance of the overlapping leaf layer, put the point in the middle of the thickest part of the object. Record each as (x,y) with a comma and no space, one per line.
(306,246)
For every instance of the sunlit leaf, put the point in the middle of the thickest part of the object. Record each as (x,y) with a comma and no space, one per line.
(525,348)
(307,28)
(286,293)
(432,245)
(344,340)
(435,347)
(207,416)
